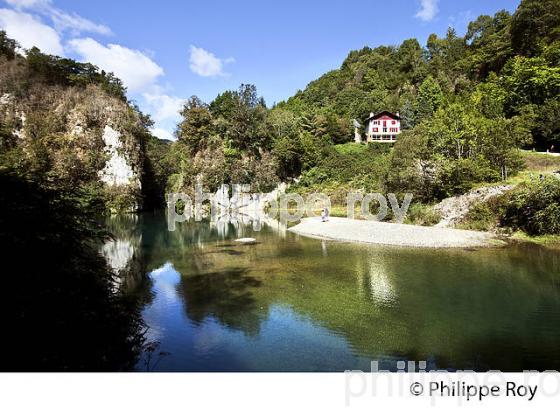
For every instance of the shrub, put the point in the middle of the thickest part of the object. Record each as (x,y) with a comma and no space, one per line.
(422,214)
(481,217)
(534,208)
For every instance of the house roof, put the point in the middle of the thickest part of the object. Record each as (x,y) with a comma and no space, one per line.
(382,114)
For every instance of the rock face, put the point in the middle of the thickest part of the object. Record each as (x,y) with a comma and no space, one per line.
(454,209)
(117,171)
(88,136)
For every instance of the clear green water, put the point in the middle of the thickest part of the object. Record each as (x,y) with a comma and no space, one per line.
(290,303)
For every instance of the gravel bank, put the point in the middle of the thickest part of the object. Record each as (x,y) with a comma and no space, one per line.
(454,209)
(383,233)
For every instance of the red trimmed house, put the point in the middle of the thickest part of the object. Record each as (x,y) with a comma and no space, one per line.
(383,127)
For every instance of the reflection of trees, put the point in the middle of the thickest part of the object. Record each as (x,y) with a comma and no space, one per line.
(417,304)
(412,304)
(226,295)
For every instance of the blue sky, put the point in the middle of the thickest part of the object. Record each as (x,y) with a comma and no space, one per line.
(168,50)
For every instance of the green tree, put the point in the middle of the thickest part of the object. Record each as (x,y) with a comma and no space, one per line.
(529,81)
(196,127)
(224,104)
(535,24)
(490,44)
(7,46)
(489,98)
(248,121)
(547,129)
(430,98)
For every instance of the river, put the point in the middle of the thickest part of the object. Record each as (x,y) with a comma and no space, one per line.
(289,303)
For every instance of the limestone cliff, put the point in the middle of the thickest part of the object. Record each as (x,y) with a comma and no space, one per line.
(78,135)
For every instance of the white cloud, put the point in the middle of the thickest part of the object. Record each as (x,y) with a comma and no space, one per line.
(162,134)
(162,106)
(25,4)
(140,73)
(62,20)
(137,70)
(206,64)
(76,23)
(30,32)
(428,10)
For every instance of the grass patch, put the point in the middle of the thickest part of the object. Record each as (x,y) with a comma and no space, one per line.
(540,162)
(550,241)
(350,148)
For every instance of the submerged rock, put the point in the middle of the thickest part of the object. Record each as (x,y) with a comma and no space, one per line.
(246,240)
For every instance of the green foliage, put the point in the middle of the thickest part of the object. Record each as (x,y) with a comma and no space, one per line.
(342,168)
(7,46)
(535,23)
(489,44)
(196,127)
(67,72)
(430,98)
(483,216)
(534,208)
(236,119)
(453,151)
(157,170)
(121,199)
(548,123)
(530,81)
(422,214)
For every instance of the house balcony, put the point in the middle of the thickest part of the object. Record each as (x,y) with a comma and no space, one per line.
(381,138)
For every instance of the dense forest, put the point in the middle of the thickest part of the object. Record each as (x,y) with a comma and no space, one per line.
(467,104)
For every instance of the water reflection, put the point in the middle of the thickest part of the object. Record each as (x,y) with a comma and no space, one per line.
(293,303)
(122,252)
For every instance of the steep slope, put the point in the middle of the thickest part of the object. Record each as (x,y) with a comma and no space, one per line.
(66,123)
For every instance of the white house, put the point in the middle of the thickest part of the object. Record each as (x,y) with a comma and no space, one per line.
(382,127)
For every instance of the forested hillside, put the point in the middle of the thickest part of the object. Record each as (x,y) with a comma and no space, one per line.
(64,123)
(468,103)
(510,62)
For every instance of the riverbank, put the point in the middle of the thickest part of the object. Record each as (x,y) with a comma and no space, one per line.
(383,233)
(548,241)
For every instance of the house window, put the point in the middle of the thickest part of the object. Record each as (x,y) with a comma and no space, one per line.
(375,129)
(384,129)
(393,122)
(384,123)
